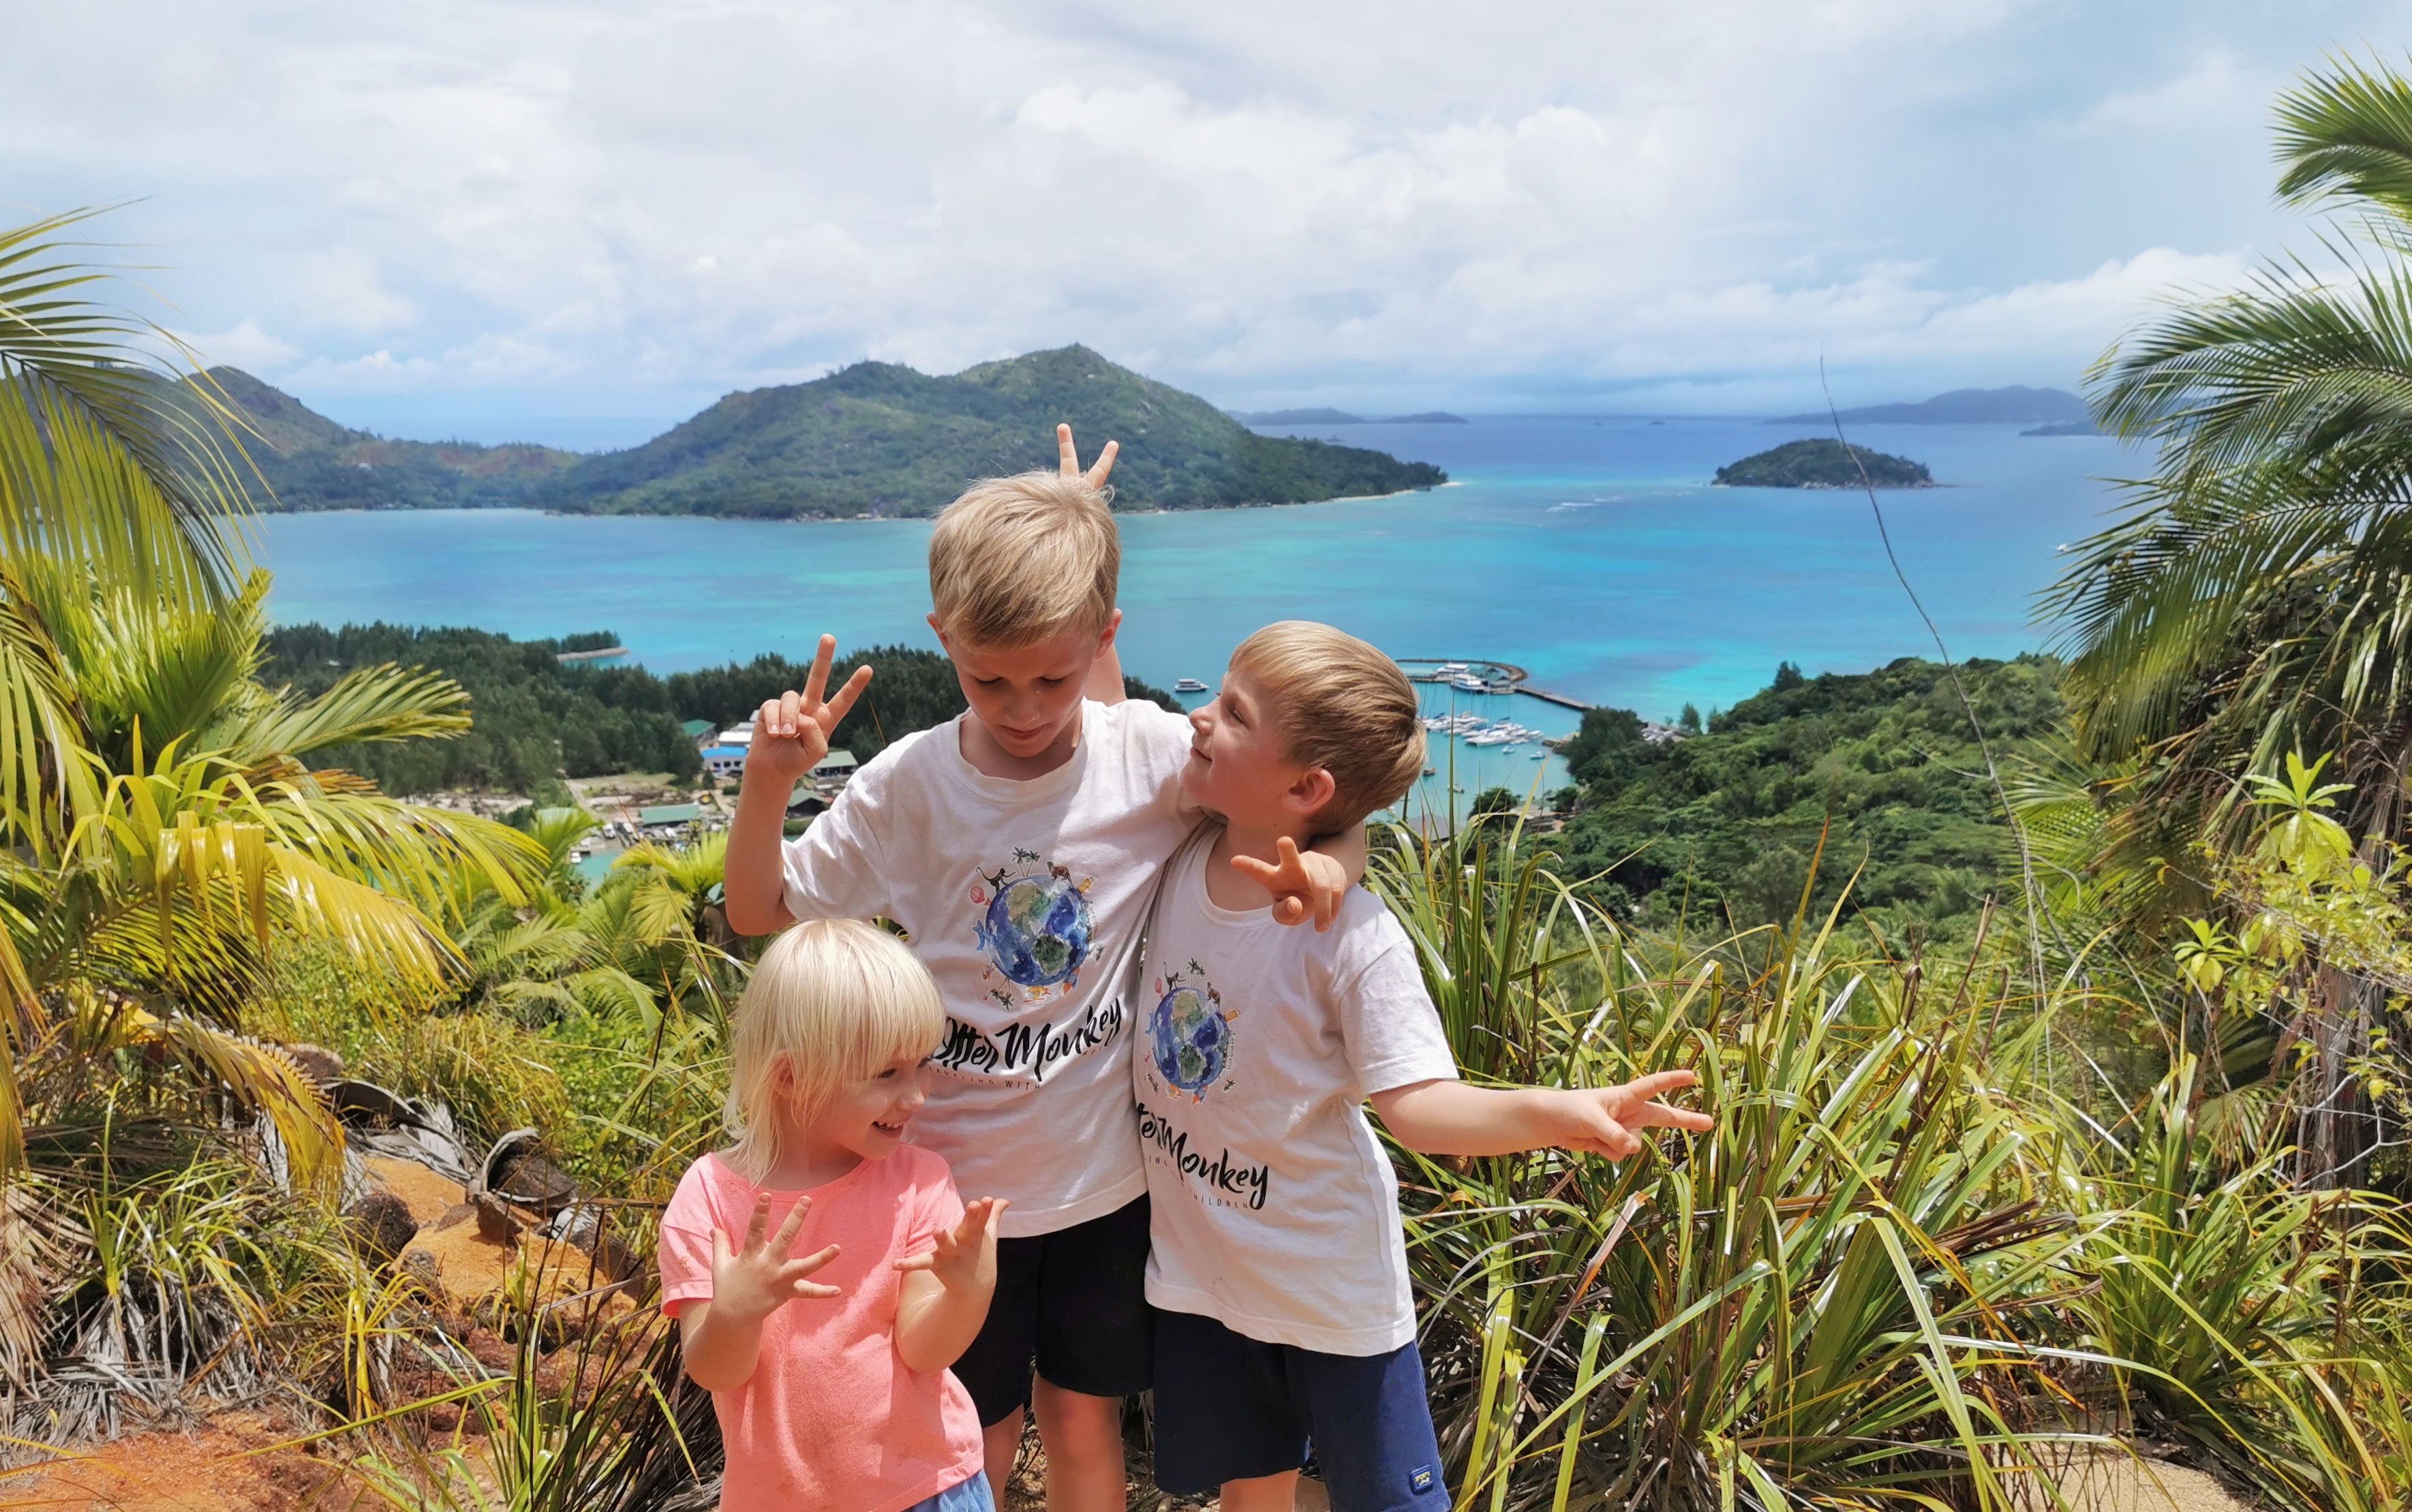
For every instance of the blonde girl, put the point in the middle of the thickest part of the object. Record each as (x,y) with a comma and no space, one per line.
(823,1272)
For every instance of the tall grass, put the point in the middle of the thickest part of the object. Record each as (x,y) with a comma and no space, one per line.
(1892,1276)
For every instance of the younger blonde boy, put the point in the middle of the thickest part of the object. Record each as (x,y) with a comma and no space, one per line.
(1017,846)
(1279,1269)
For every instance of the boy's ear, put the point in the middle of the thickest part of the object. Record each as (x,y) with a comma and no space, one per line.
(941,631)
(1113,623)
(1312,790)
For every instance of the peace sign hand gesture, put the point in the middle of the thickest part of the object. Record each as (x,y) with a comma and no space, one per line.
(791,732)
(1068,459)
(748,1284)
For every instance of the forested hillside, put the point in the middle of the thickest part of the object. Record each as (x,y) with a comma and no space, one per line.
(312,462)
(881,439)
(876,439)
(539,718)
(1727,820)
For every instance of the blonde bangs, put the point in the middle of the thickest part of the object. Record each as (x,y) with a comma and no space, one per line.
(834,999)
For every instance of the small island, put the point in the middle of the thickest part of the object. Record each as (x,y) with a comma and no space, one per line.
(1823,464)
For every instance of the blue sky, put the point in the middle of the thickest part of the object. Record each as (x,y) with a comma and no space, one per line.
(571,222)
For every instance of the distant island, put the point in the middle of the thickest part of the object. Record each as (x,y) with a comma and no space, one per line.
(2084,427)
(876,440)
(2014,405)
(1340,416)
(312,463)
(1823,464)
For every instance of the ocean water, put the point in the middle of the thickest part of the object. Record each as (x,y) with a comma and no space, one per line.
(1591,552)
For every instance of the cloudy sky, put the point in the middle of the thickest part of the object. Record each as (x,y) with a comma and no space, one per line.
(573,220)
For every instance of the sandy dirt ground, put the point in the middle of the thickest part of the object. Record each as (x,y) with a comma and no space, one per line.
(229,1466)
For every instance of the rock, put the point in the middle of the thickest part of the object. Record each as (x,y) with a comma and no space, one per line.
(427,1195)
(382,1225)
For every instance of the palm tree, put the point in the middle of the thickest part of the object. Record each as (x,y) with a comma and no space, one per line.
(2257,597)
(159,831)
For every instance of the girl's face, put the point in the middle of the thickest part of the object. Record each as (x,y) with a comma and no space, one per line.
(867,1116)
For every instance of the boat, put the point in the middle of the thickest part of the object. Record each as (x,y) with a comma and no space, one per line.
(1189,684)
(1468,682)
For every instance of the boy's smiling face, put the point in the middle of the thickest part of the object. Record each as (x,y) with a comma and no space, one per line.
(1027,699)
(1237,769)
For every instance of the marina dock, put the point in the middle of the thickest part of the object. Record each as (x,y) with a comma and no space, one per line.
(1496,676)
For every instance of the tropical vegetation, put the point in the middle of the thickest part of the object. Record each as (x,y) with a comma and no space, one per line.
(1820,463)
(2052,1013)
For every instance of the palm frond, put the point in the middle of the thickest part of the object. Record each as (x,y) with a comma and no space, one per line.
(2346,135)
(97,468)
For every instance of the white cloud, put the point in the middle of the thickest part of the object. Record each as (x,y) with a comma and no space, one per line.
(1420,199)
(243,345)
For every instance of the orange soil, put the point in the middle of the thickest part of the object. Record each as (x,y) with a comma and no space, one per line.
(217,1469)
(428,1196)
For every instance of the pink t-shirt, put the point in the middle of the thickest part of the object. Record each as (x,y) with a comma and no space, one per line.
(831,1419)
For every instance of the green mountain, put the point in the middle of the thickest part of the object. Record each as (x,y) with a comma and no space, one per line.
(883,440)
(1823,464)
(312,462)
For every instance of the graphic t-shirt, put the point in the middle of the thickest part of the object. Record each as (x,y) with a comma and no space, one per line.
(1024,900)
(1273,1209)
(832,1417)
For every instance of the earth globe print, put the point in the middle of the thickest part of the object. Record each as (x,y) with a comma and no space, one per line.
(1189,1039)
(1038,930)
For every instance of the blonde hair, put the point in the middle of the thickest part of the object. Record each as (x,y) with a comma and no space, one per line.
(1337,703)
(1023,559)
(834,1000)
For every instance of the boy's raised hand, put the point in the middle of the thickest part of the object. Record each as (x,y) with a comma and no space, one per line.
(1600,1121)
(750,1283)
(964,1259)
(792,731)
(1068,459)
(1305,884)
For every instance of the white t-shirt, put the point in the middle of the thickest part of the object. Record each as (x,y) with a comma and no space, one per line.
(1273,1208)
(1024,900)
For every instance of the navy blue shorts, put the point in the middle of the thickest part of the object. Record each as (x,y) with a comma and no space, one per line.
(1074,1304)
(1229,1407)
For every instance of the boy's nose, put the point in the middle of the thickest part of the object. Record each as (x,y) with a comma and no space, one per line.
(1198,717)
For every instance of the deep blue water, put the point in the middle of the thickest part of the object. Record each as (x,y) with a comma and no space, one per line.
(1591,552)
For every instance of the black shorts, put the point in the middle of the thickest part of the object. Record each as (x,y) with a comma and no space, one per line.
(1234,1408)
(1075,1303)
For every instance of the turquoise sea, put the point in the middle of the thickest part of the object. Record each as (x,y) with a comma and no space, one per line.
(1591,552)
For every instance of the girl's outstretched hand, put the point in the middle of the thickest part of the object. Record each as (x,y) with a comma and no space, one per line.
(964,1259)
(1306,884)
(1067,459)
(748,1284)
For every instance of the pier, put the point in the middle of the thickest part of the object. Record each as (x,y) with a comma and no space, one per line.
(1489,671)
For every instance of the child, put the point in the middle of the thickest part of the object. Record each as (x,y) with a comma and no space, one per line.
(832,1393)
(1018,846)
(1279,1268)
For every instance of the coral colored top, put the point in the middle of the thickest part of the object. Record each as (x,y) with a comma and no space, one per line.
(831,1419)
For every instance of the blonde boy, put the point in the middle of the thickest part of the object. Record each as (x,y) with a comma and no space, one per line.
(1279,1270)
(1017,846)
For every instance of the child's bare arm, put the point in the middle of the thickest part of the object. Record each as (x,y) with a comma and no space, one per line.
(1105,685)
(791,737)
(722,1338)
(946,1291)
(1450,1118)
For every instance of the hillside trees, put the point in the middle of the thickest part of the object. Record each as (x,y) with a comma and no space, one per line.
(2258,598)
